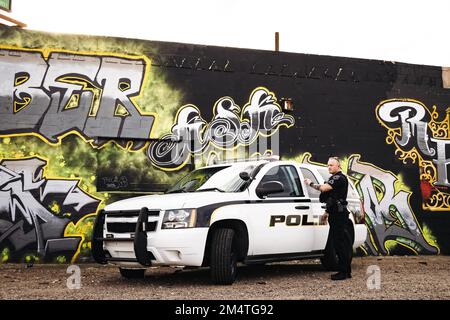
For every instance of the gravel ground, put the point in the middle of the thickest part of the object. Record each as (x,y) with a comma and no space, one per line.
(412,277)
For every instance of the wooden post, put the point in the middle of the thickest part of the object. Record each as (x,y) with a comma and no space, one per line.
(277,41)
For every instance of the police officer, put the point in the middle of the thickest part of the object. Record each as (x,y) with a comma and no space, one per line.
(334,194)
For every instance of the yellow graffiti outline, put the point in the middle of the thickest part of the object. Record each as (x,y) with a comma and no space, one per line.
(401,244)
(83,238)
(372,240)
(123,86)
(306,156)
(121,111)
(45,53)
(129,192)
(19,80)
(74,99)
(239,145)
(364,250)
(80,179)
(17,106)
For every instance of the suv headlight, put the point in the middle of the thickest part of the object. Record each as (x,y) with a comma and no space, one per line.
(179,218)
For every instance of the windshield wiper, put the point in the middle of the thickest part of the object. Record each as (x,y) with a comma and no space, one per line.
(176,191)
(210,189)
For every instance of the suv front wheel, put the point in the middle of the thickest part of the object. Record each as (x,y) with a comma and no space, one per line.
(223,256)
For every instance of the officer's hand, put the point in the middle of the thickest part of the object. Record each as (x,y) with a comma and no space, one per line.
(324,218)
(307,181)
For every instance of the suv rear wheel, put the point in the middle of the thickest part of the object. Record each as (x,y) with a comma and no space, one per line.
(223,257)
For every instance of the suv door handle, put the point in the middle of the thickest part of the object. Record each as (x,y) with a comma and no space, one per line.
(323,207)
(302,207)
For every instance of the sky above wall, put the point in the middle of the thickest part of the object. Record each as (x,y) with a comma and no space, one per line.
(394,30)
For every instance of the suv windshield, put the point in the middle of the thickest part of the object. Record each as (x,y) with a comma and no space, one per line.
(220,178)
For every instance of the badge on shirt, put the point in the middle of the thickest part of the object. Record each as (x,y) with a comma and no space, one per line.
(331,181)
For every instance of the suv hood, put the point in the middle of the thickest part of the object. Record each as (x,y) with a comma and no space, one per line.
(176,200)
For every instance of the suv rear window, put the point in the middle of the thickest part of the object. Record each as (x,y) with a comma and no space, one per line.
(307,174)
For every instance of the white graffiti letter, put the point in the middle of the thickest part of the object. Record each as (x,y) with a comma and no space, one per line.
(412,118)
(442,161)
(22,100)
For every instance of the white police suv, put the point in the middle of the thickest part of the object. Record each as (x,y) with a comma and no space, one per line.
(250,212)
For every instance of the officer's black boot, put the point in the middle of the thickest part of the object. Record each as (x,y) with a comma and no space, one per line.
(339,276)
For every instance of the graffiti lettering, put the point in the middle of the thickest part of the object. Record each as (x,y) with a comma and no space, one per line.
(87,94)
(388,213)
(409,123)
(229,128)
(412,118)
(34,211)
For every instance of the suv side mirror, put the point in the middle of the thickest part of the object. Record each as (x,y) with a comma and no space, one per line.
(269,187)
(244,175)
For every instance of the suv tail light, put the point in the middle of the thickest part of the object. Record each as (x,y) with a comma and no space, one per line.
(362,219)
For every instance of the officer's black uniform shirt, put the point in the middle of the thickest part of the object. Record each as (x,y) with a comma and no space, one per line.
(339,183)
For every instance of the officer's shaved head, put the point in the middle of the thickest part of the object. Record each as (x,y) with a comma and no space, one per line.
(335,159)
(334,165)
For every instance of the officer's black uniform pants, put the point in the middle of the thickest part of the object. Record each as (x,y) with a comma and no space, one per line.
(342,236)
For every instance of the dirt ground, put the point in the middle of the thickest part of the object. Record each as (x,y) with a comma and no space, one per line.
(412,277)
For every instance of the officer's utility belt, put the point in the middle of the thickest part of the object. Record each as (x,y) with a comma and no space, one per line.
(336,205)
(341,208)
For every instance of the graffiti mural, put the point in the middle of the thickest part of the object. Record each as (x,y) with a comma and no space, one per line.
(389,217)
(54,93)
(35,210)
(230,128)
(89,120)
(420,138)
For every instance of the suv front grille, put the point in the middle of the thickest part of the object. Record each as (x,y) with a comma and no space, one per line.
(128,226)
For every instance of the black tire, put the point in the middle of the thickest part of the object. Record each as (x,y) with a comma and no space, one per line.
(223,257)
(132,273)
(258,264)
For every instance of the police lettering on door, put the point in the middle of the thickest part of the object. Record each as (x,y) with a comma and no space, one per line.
(293,220)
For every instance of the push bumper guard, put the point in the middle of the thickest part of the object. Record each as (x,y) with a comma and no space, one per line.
(140,238)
